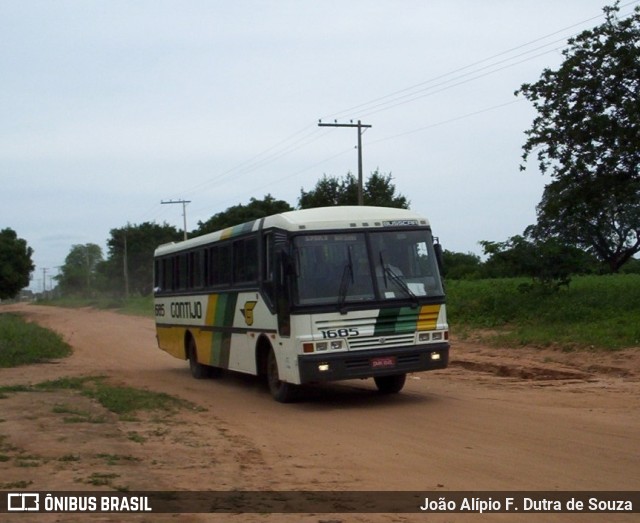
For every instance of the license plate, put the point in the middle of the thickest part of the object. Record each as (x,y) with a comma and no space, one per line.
(384,362)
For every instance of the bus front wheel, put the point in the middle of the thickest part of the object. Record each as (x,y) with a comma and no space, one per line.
(390,384)
(280,390)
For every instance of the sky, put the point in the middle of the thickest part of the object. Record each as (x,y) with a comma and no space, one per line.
(108,108)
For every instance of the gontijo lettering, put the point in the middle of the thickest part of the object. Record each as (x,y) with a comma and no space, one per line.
(186,309)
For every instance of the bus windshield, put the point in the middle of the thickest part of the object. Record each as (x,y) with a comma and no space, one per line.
(340,268)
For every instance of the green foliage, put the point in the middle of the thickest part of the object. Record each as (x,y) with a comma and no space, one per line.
(125,400)
(242,213)
(458,266)
(15,264)
(118,399)
(595,311)
(587,137)
(549,263)
(23,343)
(78,275)
(331,191)
(135,244)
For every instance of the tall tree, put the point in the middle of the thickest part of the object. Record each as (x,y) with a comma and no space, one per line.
(78,275)
(15,264)
(129,267)
(587,137)
(238,214)
(330,191)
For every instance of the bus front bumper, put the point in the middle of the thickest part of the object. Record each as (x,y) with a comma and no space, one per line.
(372,363)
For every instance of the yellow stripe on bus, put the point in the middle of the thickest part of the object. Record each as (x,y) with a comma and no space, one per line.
(428,317)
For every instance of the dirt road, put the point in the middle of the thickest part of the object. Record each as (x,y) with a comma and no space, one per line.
(501,420)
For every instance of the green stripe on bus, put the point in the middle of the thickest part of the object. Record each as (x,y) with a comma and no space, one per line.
(398,320)
(221,340)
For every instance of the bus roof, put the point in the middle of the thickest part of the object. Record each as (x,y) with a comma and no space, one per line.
(319,218)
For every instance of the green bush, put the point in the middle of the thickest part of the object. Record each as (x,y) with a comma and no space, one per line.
(593,311)
(22,343)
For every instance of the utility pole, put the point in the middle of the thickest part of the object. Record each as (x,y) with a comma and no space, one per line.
(184,211)
(126,268)
(360,126)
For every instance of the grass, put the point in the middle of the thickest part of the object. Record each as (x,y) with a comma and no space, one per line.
(23,343)
(599,312)
(136,305)
(122,400)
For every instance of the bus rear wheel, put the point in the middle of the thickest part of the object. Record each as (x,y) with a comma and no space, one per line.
(390,384)
(198,370)
(280,390)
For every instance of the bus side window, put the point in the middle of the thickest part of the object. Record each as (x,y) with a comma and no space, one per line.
(245,260)
(268,264)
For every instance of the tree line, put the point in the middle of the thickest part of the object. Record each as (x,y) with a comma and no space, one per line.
(585,137)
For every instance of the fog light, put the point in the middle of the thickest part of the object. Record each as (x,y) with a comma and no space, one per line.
(435,356)
(323,367)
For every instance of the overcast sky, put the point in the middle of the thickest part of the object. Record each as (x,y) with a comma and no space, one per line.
(109,107)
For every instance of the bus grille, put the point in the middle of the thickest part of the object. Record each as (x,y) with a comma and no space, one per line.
(381,342)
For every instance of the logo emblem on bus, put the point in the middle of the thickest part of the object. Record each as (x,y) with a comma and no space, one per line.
(247,312)
(382,341)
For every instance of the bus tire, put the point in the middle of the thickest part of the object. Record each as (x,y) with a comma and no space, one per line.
(198,370)
(280,390)
(390,384)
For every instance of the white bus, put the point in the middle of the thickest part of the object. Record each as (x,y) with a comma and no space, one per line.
(306,296)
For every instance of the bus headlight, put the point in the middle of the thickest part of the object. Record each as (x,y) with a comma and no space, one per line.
(336,345)
(322,345)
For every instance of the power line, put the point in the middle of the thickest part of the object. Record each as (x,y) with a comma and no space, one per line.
(420,87)
(470,72)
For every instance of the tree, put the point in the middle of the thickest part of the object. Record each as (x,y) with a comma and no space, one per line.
(15,264)
(129,267)
(550,263)
(459,266)
(587,137)
(238,214)
(332,191)
(78,274)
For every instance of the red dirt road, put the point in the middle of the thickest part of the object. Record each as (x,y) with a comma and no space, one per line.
(496,420)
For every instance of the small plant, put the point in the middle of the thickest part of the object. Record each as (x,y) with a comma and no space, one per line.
(69,458)
(100,479)
(134,436)
(115,459)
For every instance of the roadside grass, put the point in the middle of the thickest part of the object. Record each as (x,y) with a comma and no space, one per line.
(23,343)
(121,400)
(136,305)
(594,312)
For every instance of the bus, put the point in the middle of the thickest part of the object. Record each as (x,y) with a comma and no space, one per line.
(306,296)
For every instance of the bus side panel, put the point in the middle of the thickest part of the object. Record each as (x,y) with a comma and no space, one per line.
(171,340)
(252,320)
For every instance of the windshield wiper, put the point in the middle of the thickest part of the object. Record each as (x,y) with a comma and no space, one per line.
(347,275)
(397,279)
